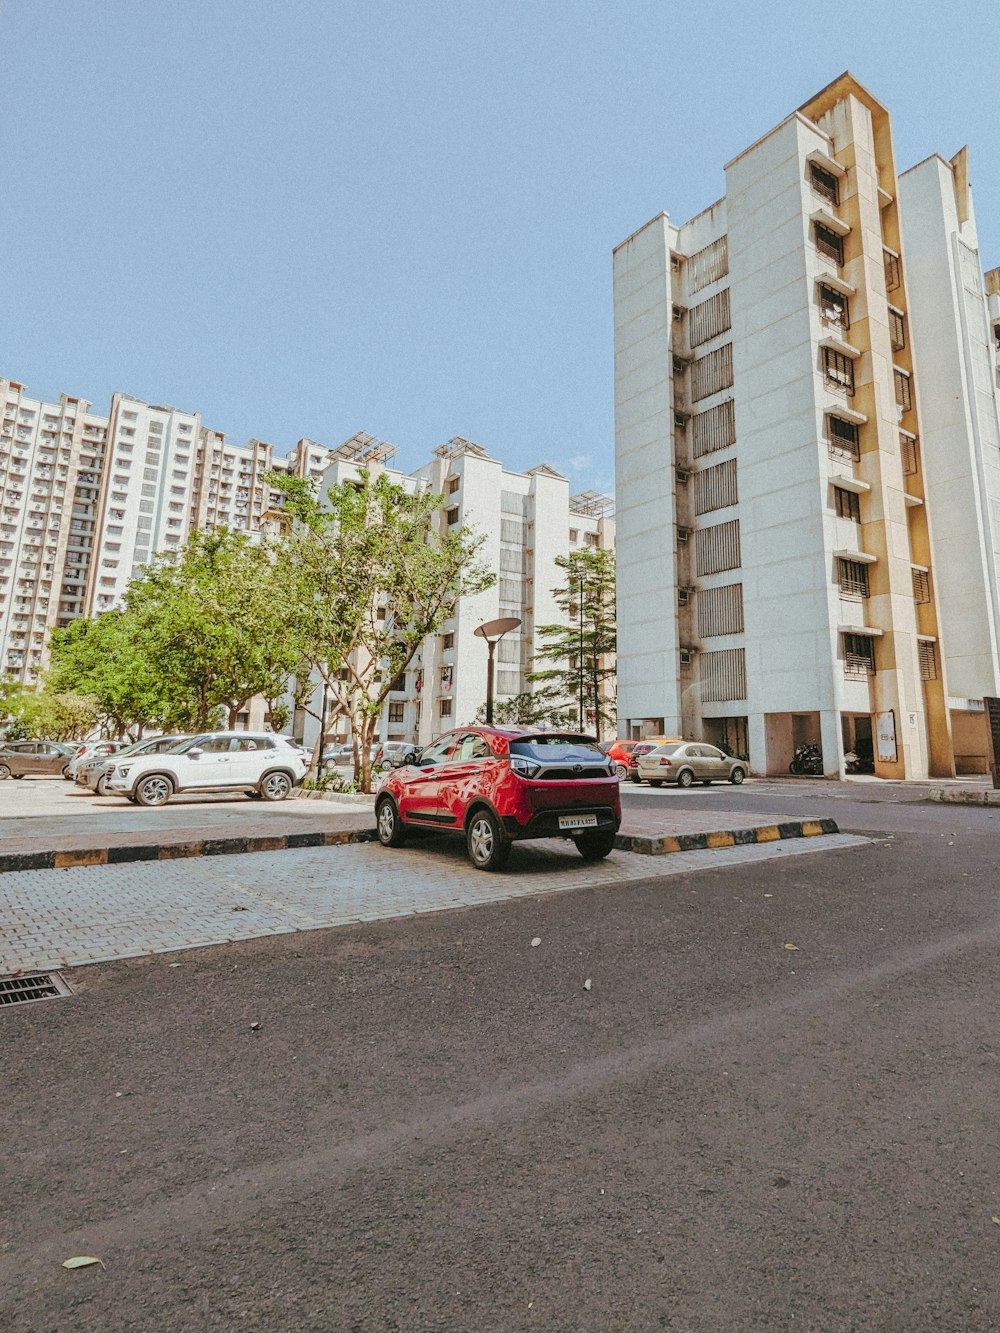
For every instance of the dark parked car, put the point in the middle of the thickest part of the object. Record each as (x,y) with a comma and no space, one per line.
(494,785)
(44,758)
(94,773)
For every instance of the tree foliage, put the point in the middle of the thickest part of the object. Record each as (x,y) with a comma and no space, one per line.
(579,652)
(371,572)
(107,659)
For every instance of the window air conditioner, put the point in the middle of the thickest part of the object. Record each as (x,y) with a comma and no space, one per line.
(683,596)
(687,657)
(683,476)
(683,534)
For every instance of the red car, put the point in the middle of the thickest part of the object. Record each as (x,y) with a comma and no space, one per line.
(496,785)
(620,752)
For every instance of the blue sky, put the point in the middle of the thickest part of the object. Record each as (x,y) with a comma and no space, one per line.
(310,218)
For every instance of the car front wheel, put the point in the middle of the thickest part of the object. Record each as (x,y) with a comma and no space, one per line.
(391,832)
(487,842)
(152,791)
(275,786)
(596,846)
(685,778)
(102,785)
(737,776)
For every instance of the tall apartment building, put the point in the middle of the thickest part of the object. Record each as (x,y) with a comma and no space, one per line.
(955,348)
(527,519)
(776,578)
(86,500)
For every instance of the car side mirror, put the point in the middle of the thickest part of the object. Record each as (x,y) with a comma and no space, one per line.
(195,753)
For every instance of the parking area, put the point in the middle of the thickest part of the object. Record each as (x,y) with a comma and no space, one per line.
(65,918)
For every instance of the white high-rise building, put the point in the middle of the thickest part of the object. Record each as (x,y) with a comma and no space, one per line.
(955,354)
(527,519)
(788,572)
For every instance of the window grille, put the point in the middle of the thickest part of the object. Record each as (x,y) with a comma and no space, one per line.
(834,307)
(843,437)
(396,712)
(859,655)
(510,591)
(447,641)
(897,329)
(513,560)
(921,586)
(829,243)
(839,370)
(723,675)
(712,372)
(893,270)
(715,487)
(848,503)
(824,183)
(853,578)
(904,389)
(718,548)
(972,274)
(508,682)
(709,319)
(708,265)
(512,502)
(444,707)
(452,515)
(928,660)
(512,531)
(714,429)
(453,484)
(720,610)
(909,452)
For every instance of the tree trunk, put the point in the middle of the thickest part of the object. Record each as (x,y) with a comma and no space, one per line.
(233,713)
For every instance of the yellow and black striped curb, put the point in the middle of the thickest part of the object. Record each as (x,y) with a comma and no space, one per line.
(172,851)
(646,845)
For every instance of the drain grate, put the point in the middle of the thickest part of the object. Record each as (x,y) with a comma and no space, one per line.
(36,986)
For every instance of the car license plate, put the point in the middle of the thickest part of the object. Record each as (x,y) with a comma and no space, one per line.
(577,821)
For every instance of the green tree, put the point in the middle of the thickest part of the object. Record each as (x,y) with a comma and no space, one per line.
(580,652)
(108,660)
(523,710)
(51,715)
(212,622)
(371,572)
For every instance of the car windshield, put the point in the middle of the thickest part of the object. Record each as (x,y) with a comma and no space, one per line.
(188,744)
(559,749)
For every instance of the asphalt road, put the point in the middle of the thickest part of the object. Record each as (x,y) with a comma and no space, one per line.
(435,1126)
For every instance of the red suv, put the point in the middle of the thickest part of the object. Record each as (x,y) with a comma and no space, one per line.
(499,784)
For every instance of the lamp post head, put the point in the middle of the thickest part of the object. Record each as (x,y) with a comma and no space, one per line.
(494,630)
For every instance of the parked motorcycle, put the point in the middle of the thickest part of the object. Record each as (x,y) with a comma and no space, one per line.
(807,759)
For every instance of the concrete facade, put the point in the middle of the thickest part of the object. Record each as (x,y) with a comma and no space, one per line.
(955,354)
(772,528)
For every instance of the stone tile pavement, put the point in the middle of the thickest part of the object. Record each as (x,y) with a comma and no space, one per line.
(66,918)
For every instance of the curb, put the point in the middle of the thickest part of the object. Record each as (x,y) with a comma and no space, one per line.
(743,837)
(172,851)
(984,796)
(643,844)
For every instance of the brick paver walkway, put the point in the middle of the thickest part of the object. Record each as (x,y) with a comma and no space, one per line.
(64,918)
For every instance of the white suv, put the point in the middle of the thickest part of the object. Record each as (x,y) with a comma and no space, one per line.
(263,766)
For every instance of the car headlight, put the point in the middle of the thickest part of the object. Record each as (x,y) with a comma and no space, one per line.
(122,772)
(527,768)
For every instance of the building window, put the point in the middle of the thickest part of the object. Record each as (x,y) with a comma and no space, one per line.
(452,515)
(859,655)
(398,685)
(928,660)
(574,536)
(839,370)
(844,438)
(921,586)
(591,539)
(824,183)
(848,503)
(444,707)
(448,641)
(853,575)
(396,712)
(909,453)
(833,307)
(904,389)
(829,244)
(893,270)
(897,329)
(453,484)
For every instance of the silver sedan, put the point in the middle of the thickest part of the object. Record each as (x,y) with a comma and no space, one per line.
(688,762)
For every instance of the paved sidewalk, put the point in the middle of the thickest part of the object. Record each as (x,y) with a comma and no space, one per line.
(66,918)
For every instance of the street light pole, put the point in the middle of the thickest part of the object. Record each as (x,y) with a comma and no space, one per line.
(493,631)
(580,656)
